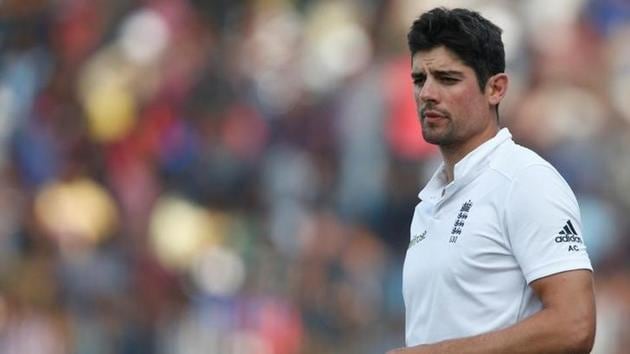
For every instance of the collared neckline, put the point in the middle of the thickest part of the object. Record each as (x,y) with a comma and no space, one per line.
(463,168)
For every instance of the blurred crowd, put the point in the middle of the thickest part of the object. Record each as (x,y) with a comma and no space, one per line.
(238,177)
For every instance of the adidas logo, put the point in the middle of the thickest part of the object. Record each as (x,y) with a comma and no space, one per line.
(568,234)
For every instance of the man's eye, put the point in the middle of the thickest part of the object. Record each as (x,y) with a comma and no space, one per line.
(418,81)
(449,80)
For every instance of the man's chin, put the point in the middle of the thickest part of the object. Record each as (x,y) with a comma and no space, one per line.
(432,138)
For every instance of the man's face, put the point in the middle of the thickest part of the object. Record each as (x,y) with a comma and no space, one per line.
(452,109)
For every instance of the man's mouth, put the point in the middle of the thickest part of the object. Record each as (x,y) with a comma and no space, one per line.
(431,114)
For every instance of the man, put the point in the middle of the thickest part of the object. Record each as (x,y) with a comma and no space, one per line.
(496,261)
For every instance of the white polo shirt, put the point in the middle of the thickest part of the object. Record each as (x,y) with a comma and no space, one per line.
(507,219)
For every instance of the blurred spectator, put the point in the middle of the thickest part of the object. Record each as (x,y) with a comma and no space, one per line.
(184,176)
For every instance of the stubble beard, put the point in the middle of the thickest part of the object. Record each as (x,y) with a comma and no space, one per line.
(442,135)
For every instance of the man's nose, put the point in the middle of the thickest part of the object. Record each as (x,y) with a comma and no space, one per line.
(428,91)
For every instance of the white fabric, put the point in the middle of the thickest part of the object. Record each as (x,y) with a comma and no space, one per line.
(478,242)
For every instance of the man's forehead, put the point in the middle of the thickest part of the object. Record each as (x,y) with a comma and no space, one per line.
(437,59)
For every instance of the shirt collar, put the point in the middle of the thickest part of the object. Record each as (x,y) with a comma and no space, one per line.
(472,162)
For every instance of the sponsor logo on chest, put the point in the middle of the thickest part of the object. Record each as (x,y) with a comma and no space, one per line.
(416,239)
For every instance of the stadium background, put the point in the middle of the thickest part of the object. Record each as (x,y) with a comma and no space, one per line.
(238,177)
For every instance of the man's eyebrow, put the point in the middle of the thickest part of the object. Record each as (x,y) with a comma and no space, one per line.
(455,73)
(438,73)
(418,75)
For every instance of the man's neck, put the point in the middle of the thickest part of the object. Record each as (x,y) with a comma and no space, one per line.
(452,154)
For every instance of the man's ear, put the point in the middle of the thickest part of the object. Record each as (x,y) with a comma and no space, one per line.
(496,88)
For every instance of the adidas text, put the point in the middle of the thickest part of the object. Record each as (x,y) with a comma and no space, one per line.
(567,238)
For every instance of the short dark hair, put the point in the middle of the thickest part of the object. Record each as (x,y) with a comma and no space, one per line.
(473,38)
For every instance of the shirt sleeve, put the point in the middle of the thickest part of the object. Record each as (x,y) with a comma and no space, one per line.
(543,224)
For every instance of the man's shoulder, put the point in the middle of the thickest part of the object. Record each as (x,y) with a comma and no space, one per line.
(514,160)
